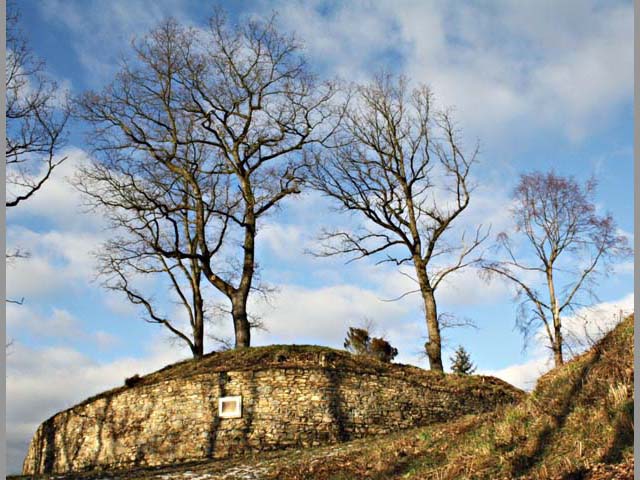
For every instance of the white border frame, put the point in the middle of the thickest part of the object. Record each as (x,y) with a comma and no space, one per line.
(237,413)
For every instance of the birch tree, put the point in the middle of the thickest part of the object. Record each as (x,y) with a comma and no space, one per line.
(557,248)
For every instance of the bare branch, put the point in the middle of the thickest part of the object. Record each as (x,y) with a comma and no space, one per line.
(199,136)
(36,116)
(401,296)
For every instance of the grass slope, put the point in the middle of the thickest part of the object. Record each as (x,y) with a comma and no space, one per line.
(576,424)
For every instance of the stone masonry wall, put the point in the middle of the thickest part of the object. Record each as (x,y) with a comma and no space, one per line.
(177,420)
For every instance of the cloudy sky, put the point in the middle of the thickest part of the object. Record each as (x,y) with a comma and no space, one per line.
(540,84)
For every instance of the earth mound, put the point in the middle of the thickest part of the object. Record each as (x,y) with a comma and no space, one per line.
(286,396)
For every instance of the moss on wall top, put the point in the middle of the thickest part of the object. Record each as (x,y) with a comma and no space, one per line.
(307,357)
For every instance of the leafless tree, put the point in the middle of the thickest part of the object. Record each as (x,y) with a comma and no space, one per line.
(398,163)
(558,245)
(224,117)
(160,190)
(36,116)
(10,257)
(262,112)
(154,213)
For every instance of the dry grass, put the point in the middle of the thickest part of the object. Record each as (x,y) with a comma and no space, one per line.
(576,424)
(578,416)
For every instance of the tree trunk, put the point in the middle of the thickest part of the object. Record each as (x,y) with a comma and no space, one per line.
(239,300)
(433,347)
(198,334)
(198,308)
(556,341)
(197,350)
(241,322)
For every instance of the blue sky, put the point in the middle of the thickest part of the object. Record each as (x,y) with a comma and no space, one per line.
(541,84)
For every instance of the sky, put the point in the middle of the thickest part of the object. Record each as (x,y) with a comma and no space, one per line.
(539,84)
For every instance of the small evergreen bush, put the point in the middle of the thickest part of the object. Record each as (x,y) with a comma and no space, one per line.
(461,362)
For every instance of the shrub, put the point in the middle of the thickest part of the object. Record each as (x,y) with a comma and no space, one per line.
(382,350)
(357,341)
(131,381)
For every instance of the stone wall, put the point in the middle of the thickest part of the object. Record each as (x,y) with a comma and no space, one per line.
(176,419)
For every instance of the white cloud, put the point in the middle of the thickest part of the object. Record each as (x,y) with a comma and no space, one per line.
(341,37)
(587,326)
(103,30)
(117,303)
(57,203)
(577,64)
(42,382)
(105,340)
(462,288)
(59,235)
(522,375)
(59,324)
(467,288)
(58,261)
(283,241)
(513,66)
(323,315)
(624,268)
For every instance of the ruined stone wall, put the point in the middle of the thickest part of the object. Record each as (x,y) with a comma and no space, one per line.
(177,420)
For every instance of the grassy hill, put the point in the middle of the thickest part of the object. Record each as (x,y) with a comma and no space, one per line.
(576,424)
(308,356)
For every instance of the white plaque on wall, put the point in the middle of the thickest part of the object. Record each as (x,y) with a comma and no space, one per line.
(230,407)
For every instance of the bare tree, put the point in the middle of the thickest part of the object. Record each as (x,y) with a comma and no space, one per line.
(36,116)
(241,97)
(155,213)
(159,189)
(400,166)
(263,110)
(558,245)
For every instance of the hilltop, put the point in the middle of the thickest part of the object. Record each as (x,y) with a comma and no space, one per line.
(250,402)
(576,424)
(298,357)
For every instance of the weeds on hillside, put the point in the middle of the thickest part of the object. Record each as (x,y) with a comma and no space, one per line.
(577,423)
